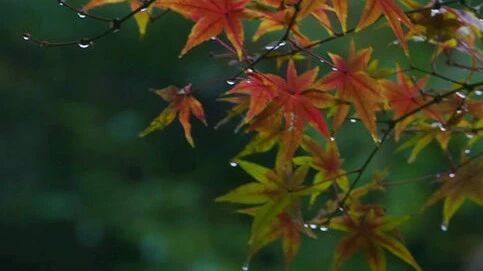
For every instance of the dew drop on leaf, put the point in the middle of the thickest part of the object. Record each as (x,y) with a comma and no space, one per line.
(352,120)
(233,164)
(313,226)
(323,228)
(61,2)
(230,82)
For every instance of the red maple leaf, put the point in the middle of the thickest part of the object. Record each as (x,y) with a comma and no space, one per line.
(212,17)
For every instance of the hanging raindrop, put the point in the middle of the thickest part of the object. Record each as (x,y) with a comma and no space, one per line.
(26,36)
(233,164)
(444,227)
(84,43)
(461,95)
(116,25)
(61,2)
(230,82)
(81,15)
(352,120)
(323,228)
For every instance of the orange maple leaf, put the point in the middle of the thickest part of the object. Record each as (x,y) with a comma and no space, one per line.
(353,83)
(181,103)
(465,183)
(394,15)
(296,98)
(212,17)
(283,17)
(371,232)
(404,97)
(326,161)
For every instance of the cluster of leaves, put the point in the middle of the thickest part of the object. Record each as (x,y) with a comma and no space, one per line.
(277,109)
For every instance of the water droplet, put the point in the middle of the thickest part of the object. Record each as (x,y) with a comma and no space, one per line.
(233,164)
(332,138)
(61,2)
(461,95)
(84,44)
(459,111)
(230,82)
(249,70)
(334,69)
(467,151)
(313,226)
(444,227)
(418,38)
(26,36)
(478,92)
(469,135)
(442,128)
(435,12)
(323,228)
(81,15)
(352,120)
(341,209)
(116,25)
(274,45)
(452,175)
(245,268)
(306,225)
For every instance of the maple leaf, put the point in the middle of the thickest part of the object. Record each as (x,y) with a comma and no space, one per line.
(295,98)
(181,103)
(456,187)
(283,18)
(277,193)
(142,18)
(213,17)
(404,97)
(326,161)
(340,9)
(447,28)
(353,83)
(393,13)
(371,232)
(427,133)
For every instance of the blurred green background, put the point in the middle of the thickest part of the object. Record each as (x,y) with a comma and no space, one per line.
(80,191)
